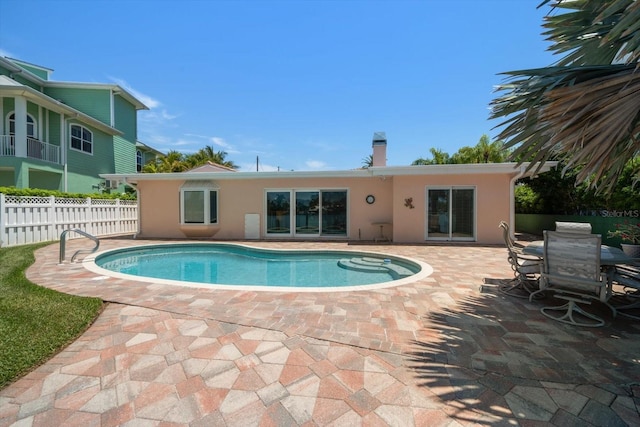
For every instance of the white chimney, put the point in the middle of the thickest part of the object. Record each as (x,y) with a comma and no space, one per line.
(379,149)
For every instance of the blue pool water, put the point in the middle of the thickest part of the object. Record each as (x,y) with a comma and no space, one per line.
(240,265)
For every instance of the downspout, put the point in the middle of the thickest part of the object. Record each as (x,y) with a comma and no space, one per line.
(512,201)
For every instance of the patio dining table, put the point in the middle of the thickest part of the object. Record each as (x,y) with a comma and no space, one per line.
(609,256)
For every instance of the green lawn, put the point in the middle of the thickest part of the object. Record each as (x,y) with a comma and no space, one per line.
(35,322)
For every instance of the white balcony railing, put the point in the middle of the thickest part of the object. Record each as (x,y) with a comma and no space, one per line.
(35,149)
(7,146)
(41,150)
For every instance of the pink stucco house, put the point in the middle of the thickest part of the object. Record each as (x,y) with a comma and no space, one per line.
(403,204)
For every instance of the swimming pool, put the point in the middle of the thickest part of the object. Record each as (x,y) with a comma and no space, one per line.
(234,265)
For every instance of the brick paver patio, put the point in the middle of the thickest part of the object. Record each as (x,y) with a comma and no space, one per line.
(441,351)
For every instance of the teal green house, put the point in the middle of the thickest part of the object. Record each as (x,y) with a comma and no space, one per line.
(63,135)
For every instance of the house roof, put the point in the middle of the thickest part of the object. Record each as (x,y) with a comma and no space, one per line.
(140,144)
(117,90)
(23,64)
(14,65)
(212,167)
(8,86)
(513,169)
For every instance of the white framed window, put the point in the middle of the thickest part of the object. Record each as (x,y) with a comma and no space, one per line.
(198,204)
(31,125)
(81,139)
(138,160)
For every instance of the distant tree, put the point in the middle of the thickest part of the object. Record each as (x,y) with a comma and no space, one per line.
(555,192)
(484,151)
(173,161)
(527,201)
(439,157)
(209,154)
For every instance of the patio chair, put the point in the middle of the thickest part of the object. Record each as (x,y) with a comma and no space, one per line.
(571,269)
(628,278)
(573,227)
(508,240)
(526,269)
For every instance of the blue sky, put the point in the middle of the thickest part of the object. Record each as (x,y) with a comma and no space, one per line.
(301,85)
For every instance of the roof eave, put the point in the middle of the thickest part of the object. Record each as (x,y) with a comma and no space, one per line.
(357,173)
(466,169)
(462,169)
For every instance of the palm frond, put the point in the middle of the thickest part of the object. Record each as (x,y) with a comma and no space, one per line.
(594,32)
(589,115)
(585,109)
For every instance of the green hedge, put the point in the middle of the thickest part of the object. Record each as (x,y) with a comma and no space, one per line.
(34,192)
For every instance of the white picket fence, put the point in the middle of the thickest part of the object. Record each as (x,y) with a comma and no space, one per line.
(26,219)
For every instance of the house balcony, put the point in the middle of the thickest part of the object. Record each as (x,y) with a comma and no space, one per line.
(36,149)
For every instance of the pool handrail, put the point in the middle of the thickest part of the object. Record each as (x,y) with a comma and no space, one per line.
(63,243)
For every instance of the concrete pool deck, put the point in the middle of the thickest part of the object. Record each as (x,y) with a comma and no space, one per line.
(439,351)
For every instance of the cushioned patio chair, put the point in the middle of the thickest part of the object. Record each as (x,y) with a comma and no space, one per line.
(573,227)
(571,270)
(526,269)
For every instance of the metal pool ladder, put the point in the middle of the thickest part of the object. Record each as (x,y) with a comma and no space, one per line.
(63,243)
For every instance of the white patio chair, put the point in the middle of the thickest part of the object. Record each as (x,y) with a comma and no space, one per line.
(571,269)
(573,227)
(508,240)
(526,269)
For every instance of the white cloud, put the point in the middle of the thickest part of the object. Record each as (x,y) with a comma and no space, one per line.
(221,143)
(183,143)
(217,141)
(156,117)
(6,53)
(315,164)
(194,135)
(145,99)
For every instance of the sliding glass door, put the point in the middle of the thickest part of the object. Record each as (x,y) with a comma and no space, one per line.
(307,212)
(334,213)
(312,213)
(278,218)
(451,213)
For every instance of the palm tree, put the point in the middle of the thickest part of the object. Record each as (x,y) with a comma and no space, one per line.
(584,110)
(173,161)
(209,154)
(484,151)
(439,158)
(367,162)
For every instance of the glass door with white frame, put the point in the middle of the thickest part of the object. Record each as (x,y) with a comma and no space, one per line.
(278,212)
(307,212)
(451,214)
